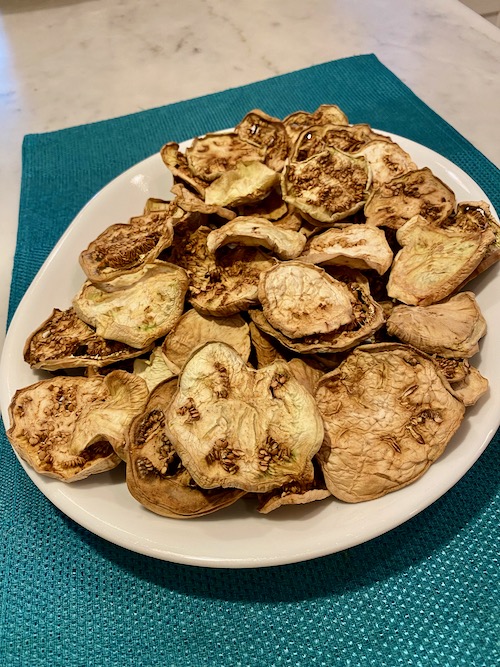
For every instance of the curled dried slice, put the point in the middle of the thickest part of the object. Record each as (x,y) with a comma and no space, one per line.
(295,493)
(302,300)
(357,246)
(235,427)
(416,192)
(109,419)
(263,131)
(470,389)
(346,138)
(327,187)
(368,318)
(252,231)
(212,155)
(224,284)
(139,314)
(434,261)
(188,201)
(194,330)
(179,167)
(156,477)
(478,215)
(451,328)
(124,248)
(43,418)
(245,183)
(276,210)
(155,369)
(454,370)
(386,159)
(65,341)
(265,348)
(388,416)
(305,373)
(327,114)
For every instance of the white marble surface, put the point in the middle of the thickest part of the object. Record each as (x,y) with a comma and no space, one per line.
(66,62)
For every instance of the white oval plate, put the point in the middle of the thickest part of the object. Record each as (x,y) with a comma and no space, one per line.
(237,536)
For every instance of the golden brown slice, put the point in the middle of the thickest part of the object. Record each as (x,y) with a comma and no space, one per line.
(109,419)
(156,477)
(252,231)
(194,330)
(388,416)
(178,165)
(43,417)
(190,202)
(417,192)
(386,160)
(305,373)
(224,284)
(212,155)
(327,114)
(434,260)
(276,210)
(451,328)
(368,318)
(327,187)
(125,248)
(346,138)
(303,300)
(235,427)
(295,493)
(356,246)
(265,132)
(245,183)
(65,341)
(139,314)
(264,346)
(478,215)
(470,389)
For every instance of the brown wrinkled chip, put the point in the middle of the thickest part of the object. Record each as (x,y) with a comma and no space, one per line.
(434,260)
(188,201)
(156,477)
(388,416)
(65,341)
(264,346)
(212,155)
(295,493)
(471,388)
(235,427)
(265,132)
(345,138)
(386,160)
(303,300)
(253,231)
(155,369)
(139,314)
(327,114)
(451,328)
(417,192)
(43,418)
(245,183)
(178,165)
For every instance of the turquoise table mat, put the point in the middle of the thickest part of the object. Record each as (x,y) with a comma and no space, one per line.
(424,594)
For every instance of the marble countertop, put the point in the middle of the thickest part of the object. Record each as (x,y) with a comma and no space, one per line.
(67,62)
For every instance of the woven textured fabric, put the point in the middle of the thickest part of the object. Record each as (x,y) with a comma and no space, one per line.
(424,594)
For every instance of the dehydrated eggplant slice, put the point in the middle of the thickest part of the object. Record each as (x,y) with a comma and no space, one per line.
(417,192)
(235,427)
(109,419)
(194,330)
(470,389)
(188,201)
(477,215)
(327,114)
(263,131)
(247,182)
(327,187)
(434,261)
(295,493)
(65,341)
(212,155)
(224,284)
(179,168)
(368,318)
(124,248)
(43,418)
(345,138)
(156,477)
(356,246)
(388,415)
(155,369)
(451,328)
(139,314)
(264,346)
(252,231)
(303,300)
(386,160)
(305,373)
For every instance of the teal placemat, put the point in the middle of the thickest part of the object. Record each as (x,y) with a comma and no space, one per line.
(424,594)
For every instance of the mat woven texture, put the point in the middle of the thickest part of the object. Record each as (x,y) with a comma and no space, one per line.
(424,594)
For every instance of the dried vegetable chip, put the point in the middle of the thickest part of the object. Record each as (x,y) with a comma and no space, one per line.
(265,132)
(246,183)
(155,369)
(386,159)
(211,156)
